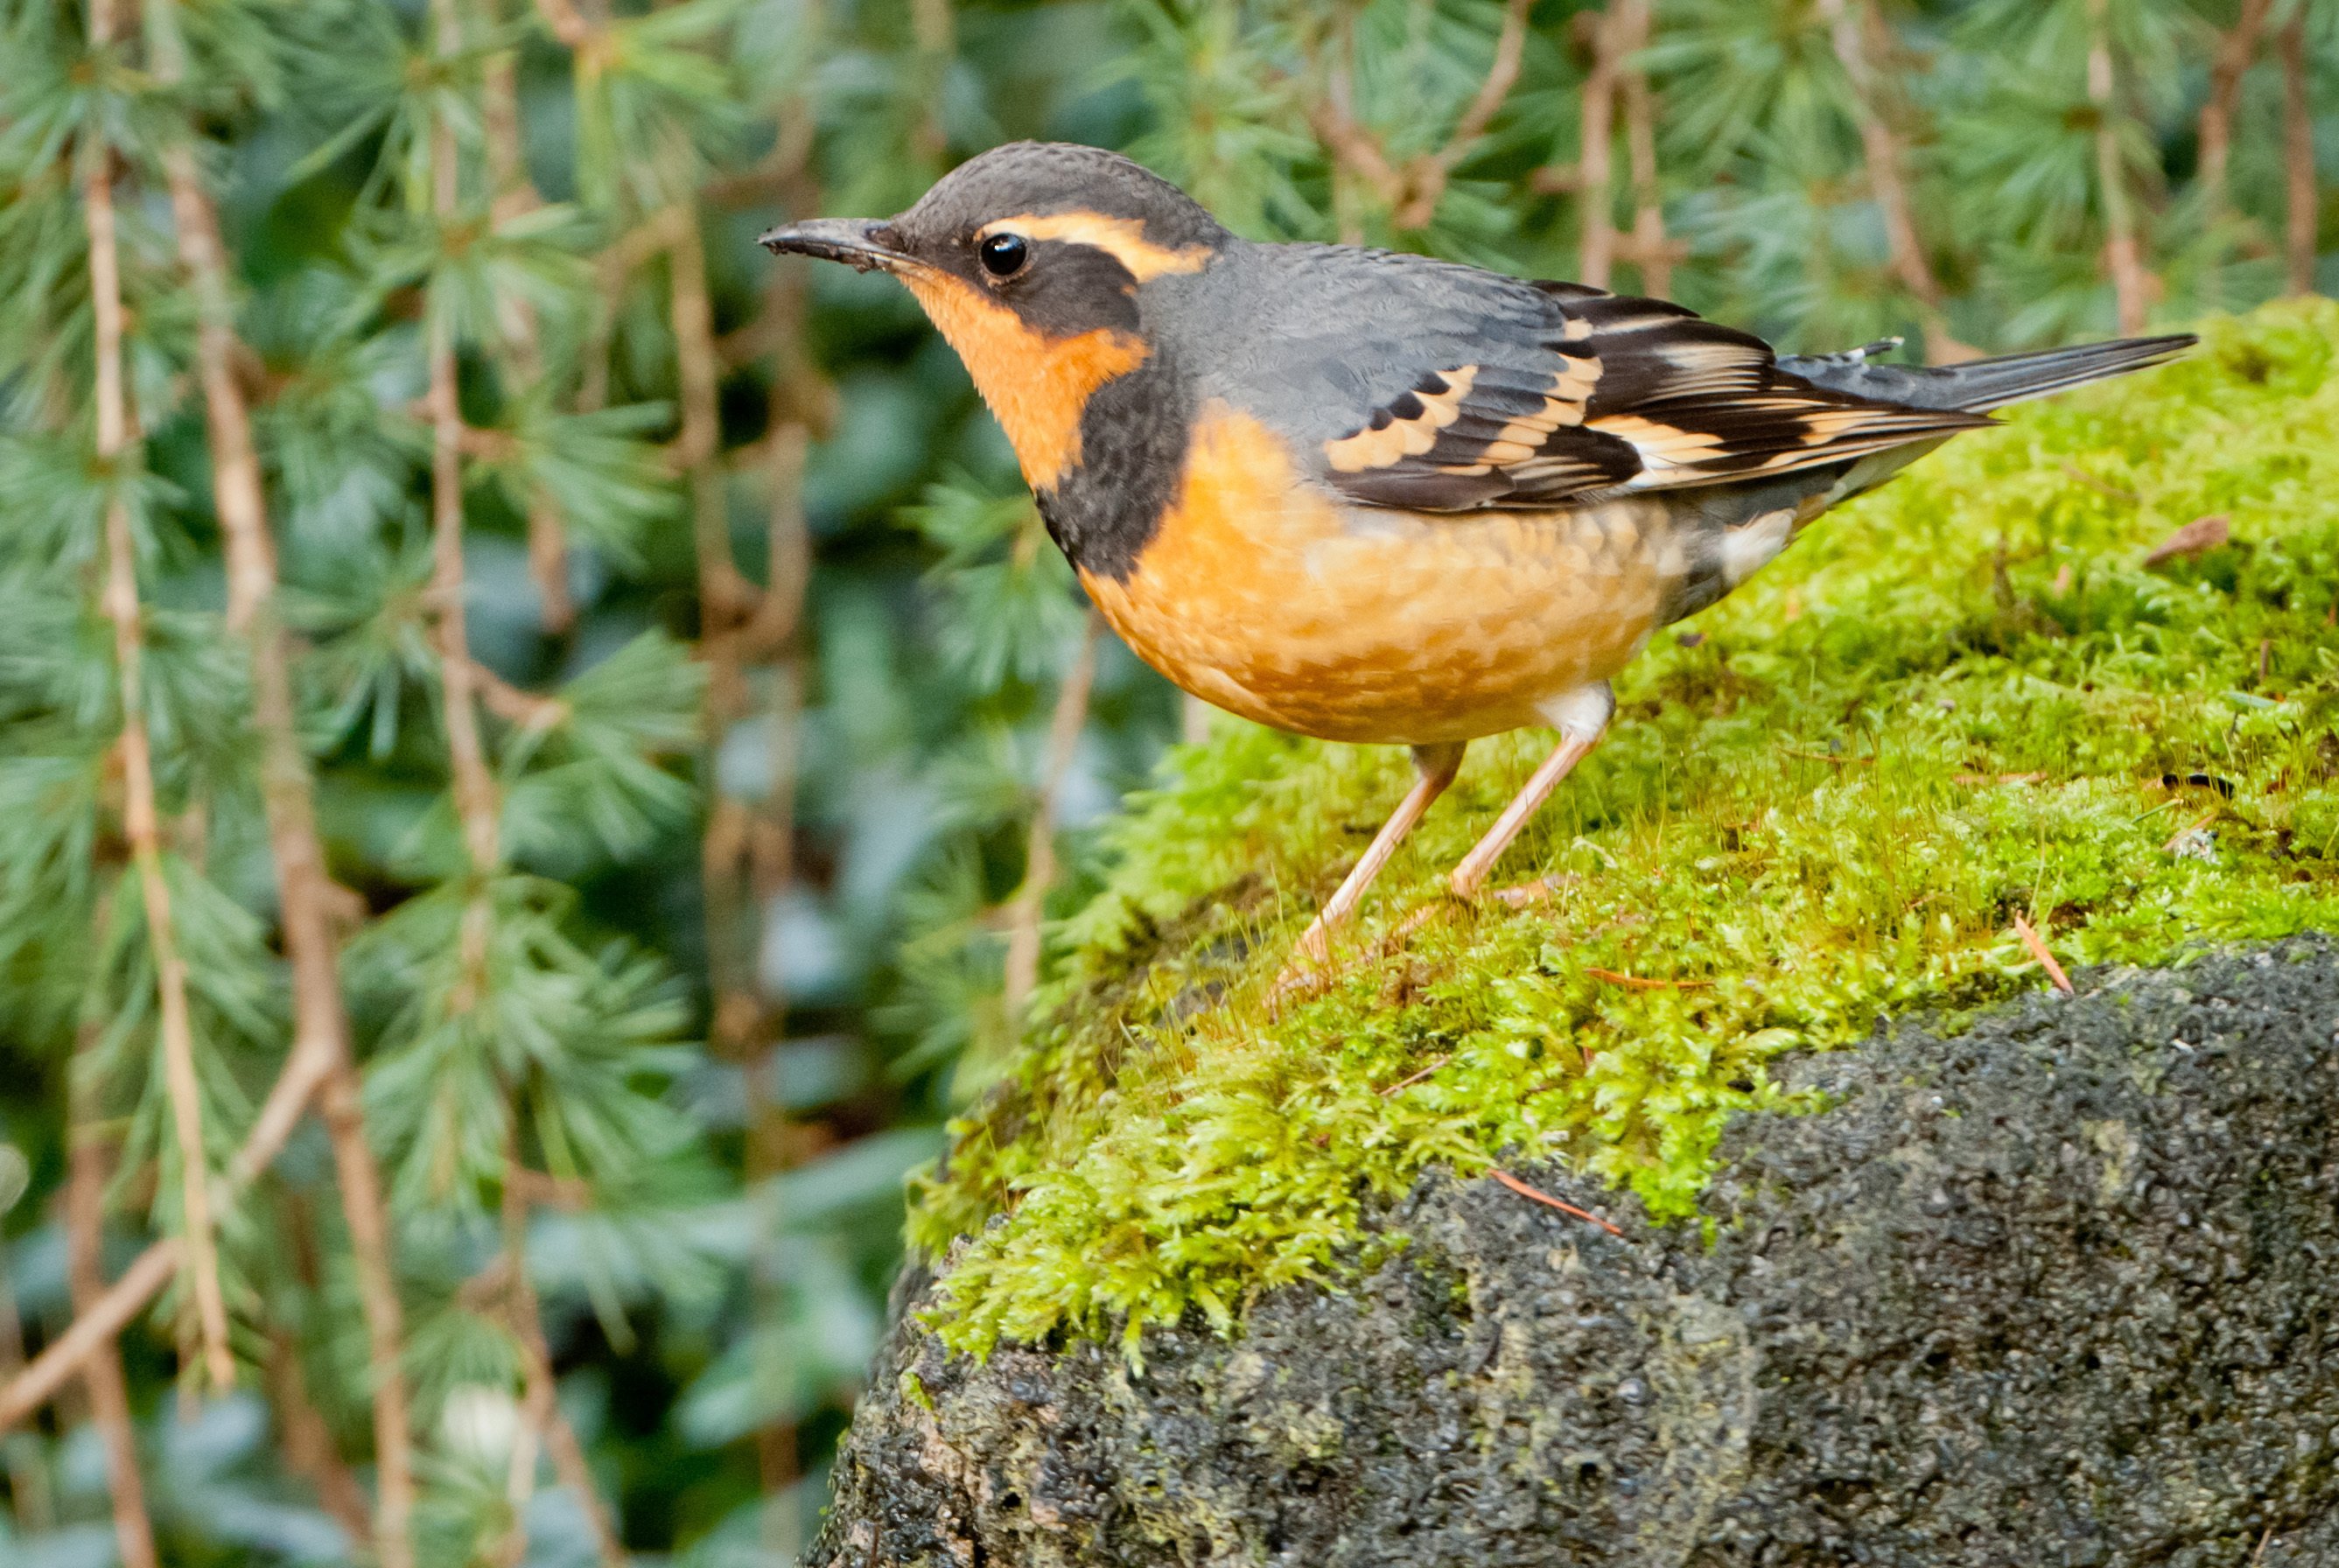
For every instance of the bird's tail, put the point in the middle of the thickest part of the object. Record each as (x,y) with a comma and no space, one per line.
(1981,385)
(1978,386)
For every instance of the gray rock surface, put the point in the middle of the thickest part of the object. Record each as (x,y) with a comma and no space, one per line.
(2062,1288)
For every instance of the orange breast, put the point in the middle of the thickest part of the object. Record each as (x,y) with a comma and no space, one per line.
(1264,594)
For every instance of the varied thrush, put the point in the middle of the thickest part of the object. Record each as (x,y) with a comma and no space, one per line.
(1375,497)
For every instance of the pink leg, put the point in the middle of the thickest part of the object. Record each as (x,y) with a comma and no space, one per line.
(1434,767)
(1582,718)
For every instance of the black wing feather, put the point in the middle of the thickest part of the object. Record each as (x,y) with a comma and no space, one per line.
(1606,392)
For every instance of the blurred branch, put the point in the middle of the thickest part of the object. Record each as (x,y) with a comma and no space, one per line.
(514,193)
(1596,223)
(1650,252)
(141,822)
(1029,905)
(109,1396)
(320,1042)
(542,1420)
(2132,285)
(2236,48)
(2298,158)
(310,1452)
(1851,25)
(474,783)
(1413,191)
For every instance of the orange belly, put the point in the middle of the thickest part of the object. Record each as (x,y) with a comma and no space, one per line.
(1264,595)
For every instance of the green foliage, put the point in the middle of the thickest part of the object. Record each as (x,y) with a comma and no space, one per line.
(1955,704)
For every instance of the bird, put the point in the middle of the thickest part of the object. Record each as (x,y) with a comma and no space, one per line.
(1378,497)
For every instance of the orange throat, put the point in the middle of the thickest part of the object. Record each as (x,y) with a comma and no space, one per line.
(1036,386)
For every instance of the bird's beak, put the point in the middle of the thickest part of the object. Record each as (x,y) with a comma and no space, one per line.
(860,244)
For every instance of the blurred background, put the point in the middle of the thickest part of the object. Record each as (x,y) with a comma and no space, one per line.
(539,744)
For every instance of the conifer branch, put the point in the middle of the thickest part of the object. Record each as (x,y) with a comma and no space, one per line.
(1651,252)
(94,1326)
(473,781)
(1596,223)
(109,1395)
(307,1441)
(1851,23)
(321,1050)
(2297,157)
(2133,286)
(2238,48)
(142,818)
(1413,190)
(542,1420)
(515,193)
(1064,727)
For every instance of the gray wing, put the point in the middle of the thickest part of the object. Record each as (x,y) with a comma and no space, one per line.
(1432,387)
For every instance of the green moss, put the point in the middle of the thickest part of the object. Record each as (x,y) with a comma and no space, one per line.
(1802,819)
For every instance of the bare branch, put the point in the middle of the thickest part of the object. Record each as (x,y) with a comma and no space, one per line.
(1650,252)
(109,1395)
(2133,284)
(141,820)
(1595,221)
(2236,48)
(2297,157)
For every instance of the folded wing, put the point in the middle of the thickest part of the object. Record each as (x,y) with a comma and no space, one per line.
(1606,393)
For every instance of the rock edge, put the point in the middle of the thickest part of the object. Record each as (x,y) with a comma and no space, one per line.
(2060,1288)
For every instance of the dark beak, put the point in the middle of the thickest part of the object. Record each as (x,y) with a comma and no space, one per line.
(860,244)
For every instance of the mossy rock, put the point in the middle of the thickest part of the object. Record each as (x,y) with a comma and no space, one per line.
(2062,1288)
(1964,701)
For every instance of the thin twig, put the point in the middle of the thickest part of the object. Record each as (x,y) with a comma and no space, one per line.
(141,820)
(1413,1078)
(2299,223)
(1652,253)
(1425,177)
(307,1440)
(2236,49)
(2040,950)
(544,1419)
(1523,1190)
(2099,485)
(1595,221)
(547,537)
(1640,982)
(2132,285)
(96,1325)
(1851,25)
(321,1048)
(1064,727)
(474,783)
(109,1395)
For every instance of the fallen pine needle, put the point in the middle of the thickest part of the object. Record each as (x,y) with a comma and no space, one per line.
(1417,1078)
(2099,485)
(1639,983)
(1523,1190)
(2039,950)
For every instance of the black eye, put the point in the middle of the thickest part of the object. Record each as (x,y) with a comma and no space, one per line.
(1003,254)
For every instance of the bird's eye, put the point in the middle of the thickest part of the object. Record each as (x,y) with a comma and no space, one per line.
(1003,255)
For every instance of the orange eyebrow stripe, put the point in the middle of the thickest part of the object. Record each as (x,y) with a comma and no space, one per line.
(1122,239)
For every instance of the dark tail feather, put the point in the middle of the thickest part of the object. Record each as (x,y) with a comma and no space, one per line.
(1984,384)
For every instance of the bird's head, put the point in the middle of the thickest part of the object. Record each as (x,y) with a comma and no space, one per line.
(1035,262)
